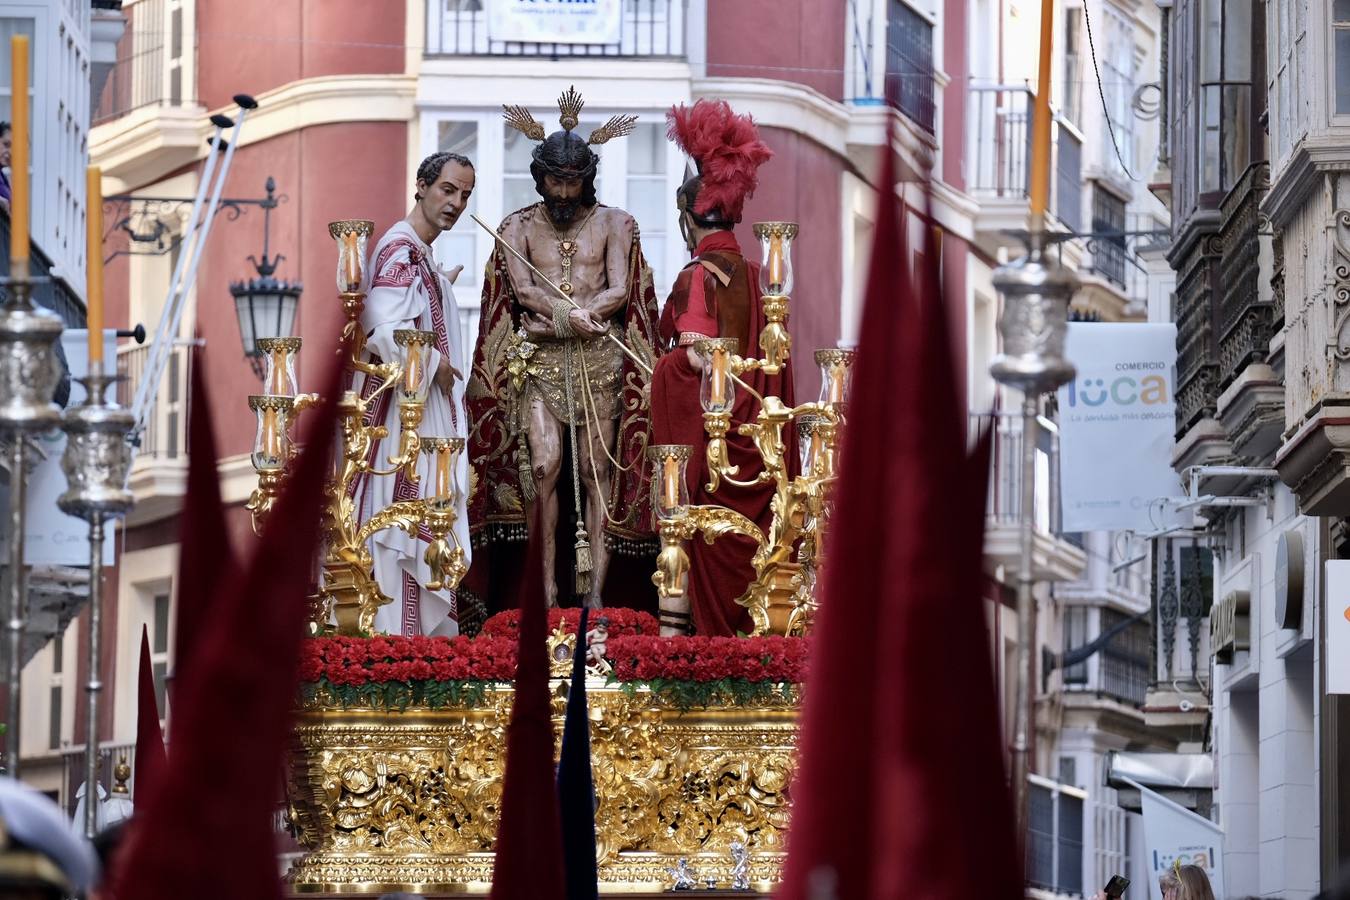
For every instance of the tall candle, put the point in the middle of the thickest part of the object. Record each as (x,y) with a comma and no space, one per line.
(19,201)
(353,265)
(94,263)
(271,435)
(718,384)
(413,379)
(670,483)
(443,474)
(775,260)
(278,383)
(836,394)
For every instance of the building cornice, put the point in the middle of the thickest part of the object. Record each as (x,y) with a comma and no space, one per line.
(1311,159)
(148,145)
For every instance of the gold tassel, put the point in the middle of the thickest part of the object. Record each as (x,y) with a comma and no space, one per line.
(584,563)
(526,470)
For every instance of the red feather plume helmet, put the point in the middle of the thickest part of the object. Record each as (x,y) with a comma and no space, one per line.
(727,151)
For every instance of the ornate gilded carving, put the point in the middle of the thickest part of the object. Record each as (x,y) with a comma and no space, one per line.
(383,800)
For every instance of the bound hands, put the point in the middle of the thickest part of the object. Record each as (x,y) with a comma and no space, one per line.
(583,322)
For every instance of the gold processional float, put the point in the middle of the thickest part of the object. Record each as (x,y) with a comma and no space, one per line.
(406,796)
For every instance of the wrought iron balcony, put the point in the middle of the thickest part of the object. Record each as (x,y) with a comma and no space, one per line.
(1246,313)
(650,29)
(1120,670)
(149,70)
(1054,557)
(1000,153)
(1055,837)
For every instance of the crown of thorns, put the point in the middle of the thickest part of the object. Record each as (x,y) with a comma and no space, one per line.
(569,113)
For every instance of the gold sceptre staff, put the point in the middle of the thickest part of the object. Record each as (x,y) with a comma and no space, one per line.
(559,291)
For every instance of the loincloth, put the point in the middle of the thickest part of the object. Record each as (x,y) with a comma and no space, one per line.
(597,365)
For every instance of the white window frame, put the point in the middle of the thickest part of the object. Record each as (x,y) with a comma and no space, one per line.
(154,568)
(489,170)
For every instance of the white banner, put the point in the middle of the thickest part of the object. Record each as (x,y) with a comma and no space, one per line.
(1116,421)
(1338,626)
(555,21)
(50,536)
(1173,834)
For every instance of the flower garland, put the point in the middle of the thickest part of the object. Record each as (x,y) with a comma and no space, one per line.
(621,621)
(702,671)
(397,672)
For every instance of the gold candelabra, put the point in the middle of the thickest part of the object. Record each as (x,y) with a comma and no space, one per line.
(348,595)
(780,599)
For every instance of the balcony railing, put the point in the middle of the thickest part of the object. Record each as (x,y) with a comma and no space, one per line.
(1055,837)
(909,64)
(53,293)
(1000,150)
(1004,505)
(165,436)
(649,28)
(1120,670)
(1246,313)
(149,66)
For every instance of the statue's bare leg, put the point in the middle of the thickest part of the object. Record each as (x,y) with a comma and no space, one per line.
(545,436)
(597,496)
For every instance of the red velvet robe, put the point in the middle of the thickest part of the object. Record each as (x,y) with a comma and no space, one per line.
(719,572)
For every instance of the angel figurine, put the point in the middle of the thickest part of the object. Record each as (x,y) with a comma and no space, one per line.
(740,867)
(686,879)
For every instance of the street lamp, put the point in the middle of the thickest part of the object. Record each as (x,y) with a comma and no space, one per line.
(265,305)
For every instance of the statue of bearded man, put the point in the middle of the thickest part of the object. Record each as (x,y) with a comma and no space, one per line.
(553,397)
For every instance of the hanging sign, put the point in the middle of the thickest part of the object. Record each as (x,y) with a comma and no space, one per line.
(1116,419)
(555,21)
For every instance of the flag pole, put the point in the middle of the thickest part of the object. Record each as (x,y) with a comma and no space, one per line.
(1036,290)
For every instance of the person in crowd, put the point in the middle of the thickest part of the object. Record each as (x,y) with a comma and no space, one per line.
(1186,883)
(6,139)
(42,856)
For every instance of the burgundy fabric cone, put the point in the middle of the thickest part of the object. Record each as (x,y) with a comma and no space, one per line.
(205,555)
(529,861)
(208,828)
(890,736)
(149,764)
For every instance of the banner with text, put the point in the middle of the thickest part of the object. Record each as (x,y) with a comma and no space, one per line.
(1116,421)
(555,21)
(1337,625)
(1173,834)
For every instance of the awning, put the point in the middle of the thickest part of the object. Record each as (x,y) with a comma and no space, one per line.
(1161,770)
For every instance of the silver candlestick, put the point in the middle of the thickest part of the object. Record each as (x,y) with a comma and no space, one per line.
(1036,293)
(96,463)
(28,377)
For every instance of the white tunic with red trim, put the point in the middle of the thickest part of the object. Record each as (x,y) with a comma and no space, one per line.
(409,290)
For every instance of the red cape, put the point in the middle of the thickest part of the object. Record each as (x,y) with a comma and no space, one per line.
(719,572)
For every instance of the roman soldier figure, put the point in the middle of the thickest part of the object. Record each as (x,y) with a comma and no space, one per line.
(715,296)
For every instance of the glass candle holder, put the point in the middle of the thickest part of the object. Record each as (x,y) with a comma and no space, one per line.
(444,454)
(279,352)
(775,260)
(836,374)
(352,236)
(416,360)
(810,442)
(271,440)
(670,488)
(717,391)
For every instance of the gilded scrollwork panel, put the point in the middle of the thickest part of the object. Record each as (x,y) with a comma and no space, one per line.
(385,798)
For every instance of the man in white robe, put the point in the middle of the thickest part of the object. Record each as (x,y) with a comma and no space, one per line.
(408,289)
